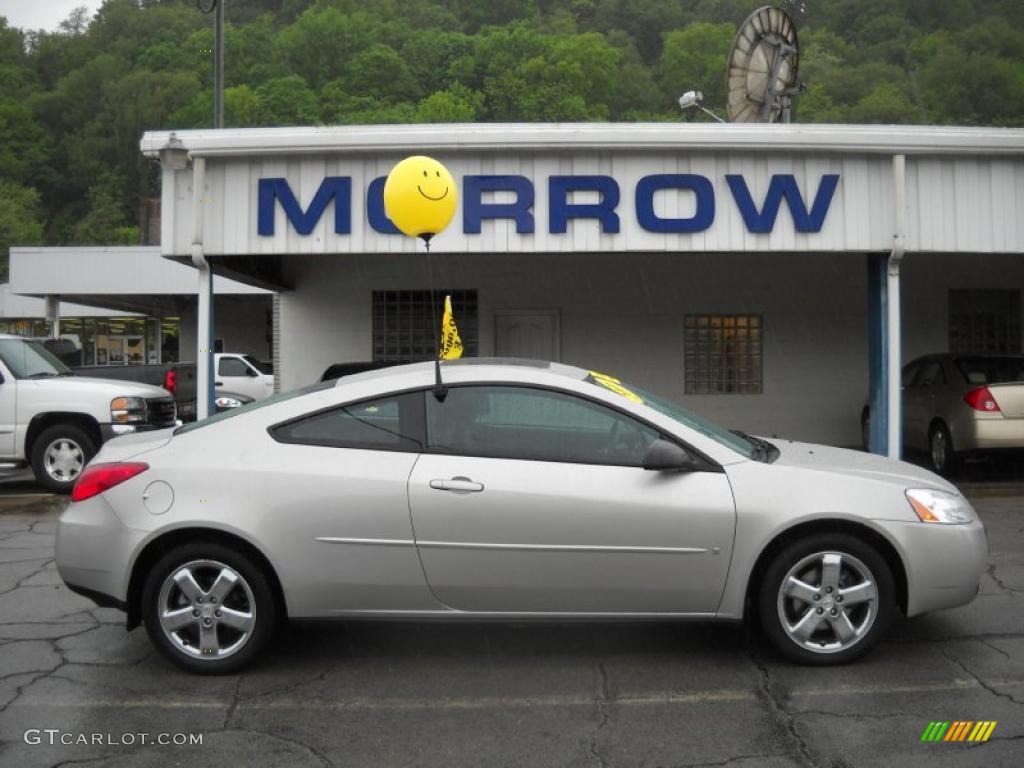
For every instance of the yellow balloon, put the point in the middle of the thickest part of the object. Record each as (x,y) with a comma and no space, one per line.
(420,196)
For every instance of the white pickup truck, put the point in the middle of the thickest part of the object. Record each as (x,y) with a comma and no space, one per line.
(55,421)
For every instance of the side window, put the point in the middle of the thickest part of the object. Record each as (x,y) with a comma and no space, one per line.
(534,424)
(931,375)
(232,366)
(388,424)
(910,373)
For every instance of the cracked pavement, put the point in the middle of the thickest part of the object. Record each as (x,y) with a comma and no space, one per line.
(392,694)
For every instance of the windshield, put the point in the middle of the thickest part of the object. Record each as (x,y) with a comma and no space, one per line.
(253,406)
(30,360)
(676,412)
(259,365)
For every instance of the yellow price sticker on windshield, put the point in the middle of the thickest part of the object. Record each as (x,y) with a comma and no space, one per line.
(613,384)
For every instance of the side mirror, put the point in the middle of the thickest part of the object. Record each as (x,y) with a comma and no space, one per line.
(664,456)
(251,373)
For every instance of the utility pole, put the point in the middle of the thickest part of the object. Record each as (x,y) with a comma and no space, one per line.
(218,65)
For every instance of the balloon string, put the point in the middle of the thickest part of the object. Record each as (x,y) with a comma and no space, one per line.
(433,301)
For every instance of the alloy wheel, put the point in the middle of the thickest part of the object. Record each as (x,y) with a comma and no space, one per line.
(206,609)
(827,602)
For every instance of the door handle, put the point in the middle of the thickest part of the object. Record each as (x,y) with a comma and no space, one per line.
(219,383)
(457,484)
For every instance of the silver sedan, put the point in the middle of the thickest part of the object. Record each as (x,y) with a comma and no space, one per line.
(515,490)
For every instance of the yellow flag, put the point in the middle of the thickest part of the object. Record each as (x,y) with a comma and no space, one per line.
(451,344)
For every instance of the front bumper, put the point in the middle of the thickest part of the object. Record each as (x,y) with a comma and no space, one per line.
(93,550)
(944,563)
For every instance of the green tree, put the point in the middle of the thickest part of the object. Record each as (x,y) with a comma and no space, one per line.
(287,101)
(105,222)
(694,57)
(21,221)
(457,104)
(381,73)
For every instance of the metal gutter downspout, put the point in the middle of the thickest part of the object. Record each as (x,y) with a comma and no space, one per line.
(204,321)
(895,384)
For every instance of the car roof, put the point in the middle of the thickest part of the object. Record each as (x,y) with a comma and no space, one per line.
(467,369)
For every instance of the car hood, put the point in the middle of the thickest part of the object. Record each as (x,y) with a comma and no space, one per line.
(123,388)
(857,464)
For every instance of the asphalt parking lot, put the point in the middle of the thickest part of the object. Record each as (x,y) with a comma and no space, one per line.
(379,694)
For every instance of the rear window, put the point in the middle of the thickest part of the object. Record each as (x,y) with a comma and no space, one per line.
(992,370)
(254,406)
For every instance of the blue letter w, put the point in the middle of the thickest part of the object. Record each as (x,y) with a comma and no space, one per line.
(783,185)
(338,188)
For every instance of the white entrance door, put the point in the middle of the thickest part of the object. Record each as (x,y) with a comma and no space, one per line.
(527,333)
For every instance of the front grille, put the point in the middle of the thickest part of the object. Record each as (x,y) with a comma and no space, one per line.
(161,412)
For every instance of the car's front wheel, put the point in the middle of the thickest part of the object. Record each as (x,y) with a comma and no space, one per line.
(59,454)
(208,608)
(826,599)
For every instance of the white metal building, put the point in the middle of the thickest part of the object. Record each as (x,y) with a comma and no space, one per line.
(129,299)
(750,271)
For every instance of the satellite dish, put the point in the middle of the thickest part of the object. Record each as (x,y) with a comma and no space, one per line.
(761,76)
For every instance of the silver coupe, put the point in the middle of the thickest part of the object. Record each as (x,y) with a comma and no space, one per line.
(514,490)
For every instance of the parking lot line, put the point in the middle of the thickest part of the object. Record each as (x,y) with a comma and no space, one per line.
(651,698)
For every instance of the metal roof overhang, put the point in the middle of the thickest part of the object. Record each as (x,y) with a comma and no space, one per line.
(269,271)
(512,137)
(130,279)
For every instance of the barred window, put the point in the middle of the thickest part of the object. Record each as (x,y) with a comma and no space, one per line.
(722,354)
(984,321)
(407,324)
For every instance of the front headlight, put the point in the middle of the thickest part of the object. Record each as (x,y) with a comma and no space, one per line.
(940,506)
(127,410)
(228,402)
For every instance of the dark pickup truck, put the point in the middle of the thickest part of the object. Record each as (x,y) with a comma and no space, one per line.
(177,378)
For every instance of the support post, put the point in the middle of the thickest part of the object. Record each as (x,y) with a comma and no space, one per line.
(878,353)
(885,401)
(894,347)
(218,65)
(204,320)
(53,315)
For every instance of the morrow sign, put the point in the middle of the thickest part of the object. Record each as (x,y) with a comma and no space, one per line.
(759,218)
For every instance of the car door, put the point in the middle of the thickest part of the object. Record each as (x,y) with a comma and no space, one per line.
(911,403)
(8,411)
(920,402)
(532,500)
(346,542)
(236,375)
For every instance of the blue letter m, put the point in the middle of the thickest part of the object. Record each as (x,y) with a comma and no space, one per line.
(338,188)
(783,185)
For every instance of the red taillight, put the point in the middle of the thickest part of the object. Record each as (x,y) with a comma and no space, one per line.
(98,478)
(170,381)
(981,399)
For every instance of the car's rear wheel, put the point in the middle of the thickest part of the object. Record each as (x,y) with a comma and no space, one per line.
(941,451)
(826,599)
(208,608)
(59,454)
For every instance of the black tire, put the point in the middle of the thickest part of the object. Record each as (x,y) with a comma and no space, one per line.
(874,618)
(261,604)
(941,452)
(76,440)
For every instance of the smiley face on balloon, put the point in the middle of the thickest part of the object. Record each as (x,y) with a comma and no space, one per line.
(420,196)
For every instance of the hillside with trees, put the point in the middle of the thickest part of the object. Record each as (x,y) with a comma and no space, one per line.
(74,102)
